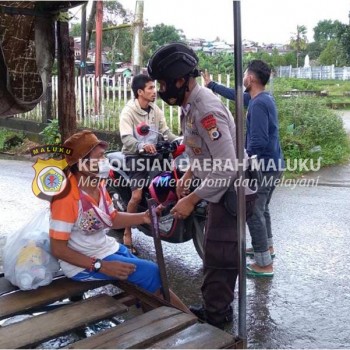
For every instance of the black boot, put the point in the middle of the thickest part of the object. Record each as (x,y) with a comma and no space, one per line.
(200,312)
(220,325)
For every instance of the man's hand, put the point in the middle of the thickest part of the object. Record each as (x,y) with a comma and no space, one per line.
(183,185)
(182,188)
(149,148)
(206,77)
(117,269)
(183,208)
(147,216)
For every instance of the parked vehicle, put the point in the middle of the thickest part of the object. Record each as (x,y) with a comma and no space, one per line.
(163,190)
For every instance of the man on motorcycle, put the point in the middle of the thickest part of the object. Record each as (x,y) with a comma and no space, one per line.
(141,110)
(209,135)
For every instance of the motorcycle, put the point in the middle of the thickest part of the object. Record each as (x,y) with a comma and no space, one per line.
(163,189)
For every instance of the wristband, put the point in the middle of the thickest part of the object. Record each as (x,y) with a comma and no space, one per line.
(92,264)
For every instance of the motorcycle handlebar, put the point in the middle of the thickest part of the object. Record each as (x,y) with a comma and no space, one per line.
(164,147)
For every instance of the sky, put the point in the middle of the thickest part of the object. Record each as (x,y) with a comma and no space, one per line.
(268,21)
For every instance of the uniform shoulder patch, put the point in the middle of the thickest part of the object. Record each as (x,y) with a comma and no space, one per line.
(209,123)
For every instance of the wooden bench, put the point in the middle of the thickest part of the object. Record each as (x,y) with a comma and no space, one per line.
(162,327)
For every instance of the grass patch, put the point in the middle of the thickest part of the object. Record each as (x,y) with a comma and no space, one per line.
(5,137)
(310,130)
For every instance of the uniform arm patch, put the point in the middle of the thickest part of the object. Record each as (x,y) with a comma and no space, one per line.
(209,123)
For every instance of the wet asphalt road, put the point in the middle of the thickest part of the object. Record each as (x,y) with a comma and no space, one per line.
(346,119)
(305,305)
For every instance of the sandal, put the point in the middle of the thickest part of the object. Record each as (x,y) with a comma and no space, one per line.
(132,249)
(253,273)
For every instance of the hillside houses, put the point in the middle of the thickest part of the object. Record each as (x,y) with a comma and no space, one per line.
(218,46)
(198,44)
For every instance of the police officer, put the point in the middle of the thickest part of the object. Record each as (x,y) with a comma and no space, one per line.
(210,138)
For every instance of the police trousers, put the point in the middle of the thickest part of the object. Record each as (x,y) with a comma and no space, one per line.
(221,260)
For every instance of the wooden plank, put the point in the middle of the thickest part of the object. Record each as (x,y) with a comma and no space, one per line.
(144,296)
(198,336)
(140,338)
(62,288)
(127,300)
(58,322)
(98,340)
(139,331)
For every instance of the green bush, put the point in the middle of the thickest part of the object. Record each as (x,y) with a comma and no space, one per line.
(309,130)
(282,85)
(6,135)
(51,134)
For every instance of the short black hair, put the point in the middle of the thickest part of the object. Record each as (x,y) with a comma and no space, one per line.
(261,70)
(139,82)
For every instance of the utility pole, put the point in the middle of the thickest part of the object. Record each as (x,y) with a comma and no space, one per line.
(241,215)
(66,93)
(137,41)
(45,40)
(98,56)
(82,61)
(90,26)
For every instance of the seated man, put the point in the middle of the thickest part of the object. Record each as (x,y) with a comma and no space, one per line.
(81,215)
(140,110)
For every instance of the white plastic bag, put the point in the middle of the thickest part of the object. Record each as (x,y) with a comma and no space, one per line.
(28,263)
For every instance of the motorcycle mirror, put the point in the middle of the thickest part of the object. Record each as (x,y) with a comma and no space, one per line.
(143,129)
(179,150)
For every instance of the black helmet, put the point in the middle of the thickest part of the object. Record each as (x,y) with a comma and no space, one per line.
(172,61)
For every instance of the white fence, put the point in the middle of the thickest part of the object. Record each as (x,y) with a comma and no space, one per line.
(116,93)
(320,72)
(114,96)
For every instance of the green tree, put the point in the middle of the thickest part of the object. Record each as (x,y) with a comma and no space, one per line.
(290,59)
(117,40)
(120,43)
(333,54)
(275,59)
(262,55)
(220,63)
(314,50)
(114,13)
(344,39)
(154,37)
(205,62)
(325,31)
(298,41)
(75,29)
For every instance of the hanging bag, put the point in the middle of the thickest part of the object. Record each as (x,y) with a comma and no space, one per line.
(28,262)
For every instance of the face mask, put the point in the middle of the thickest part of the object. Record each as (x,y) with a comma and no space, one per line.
(244,87)
(103,168)
(173,95)
(247,88)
